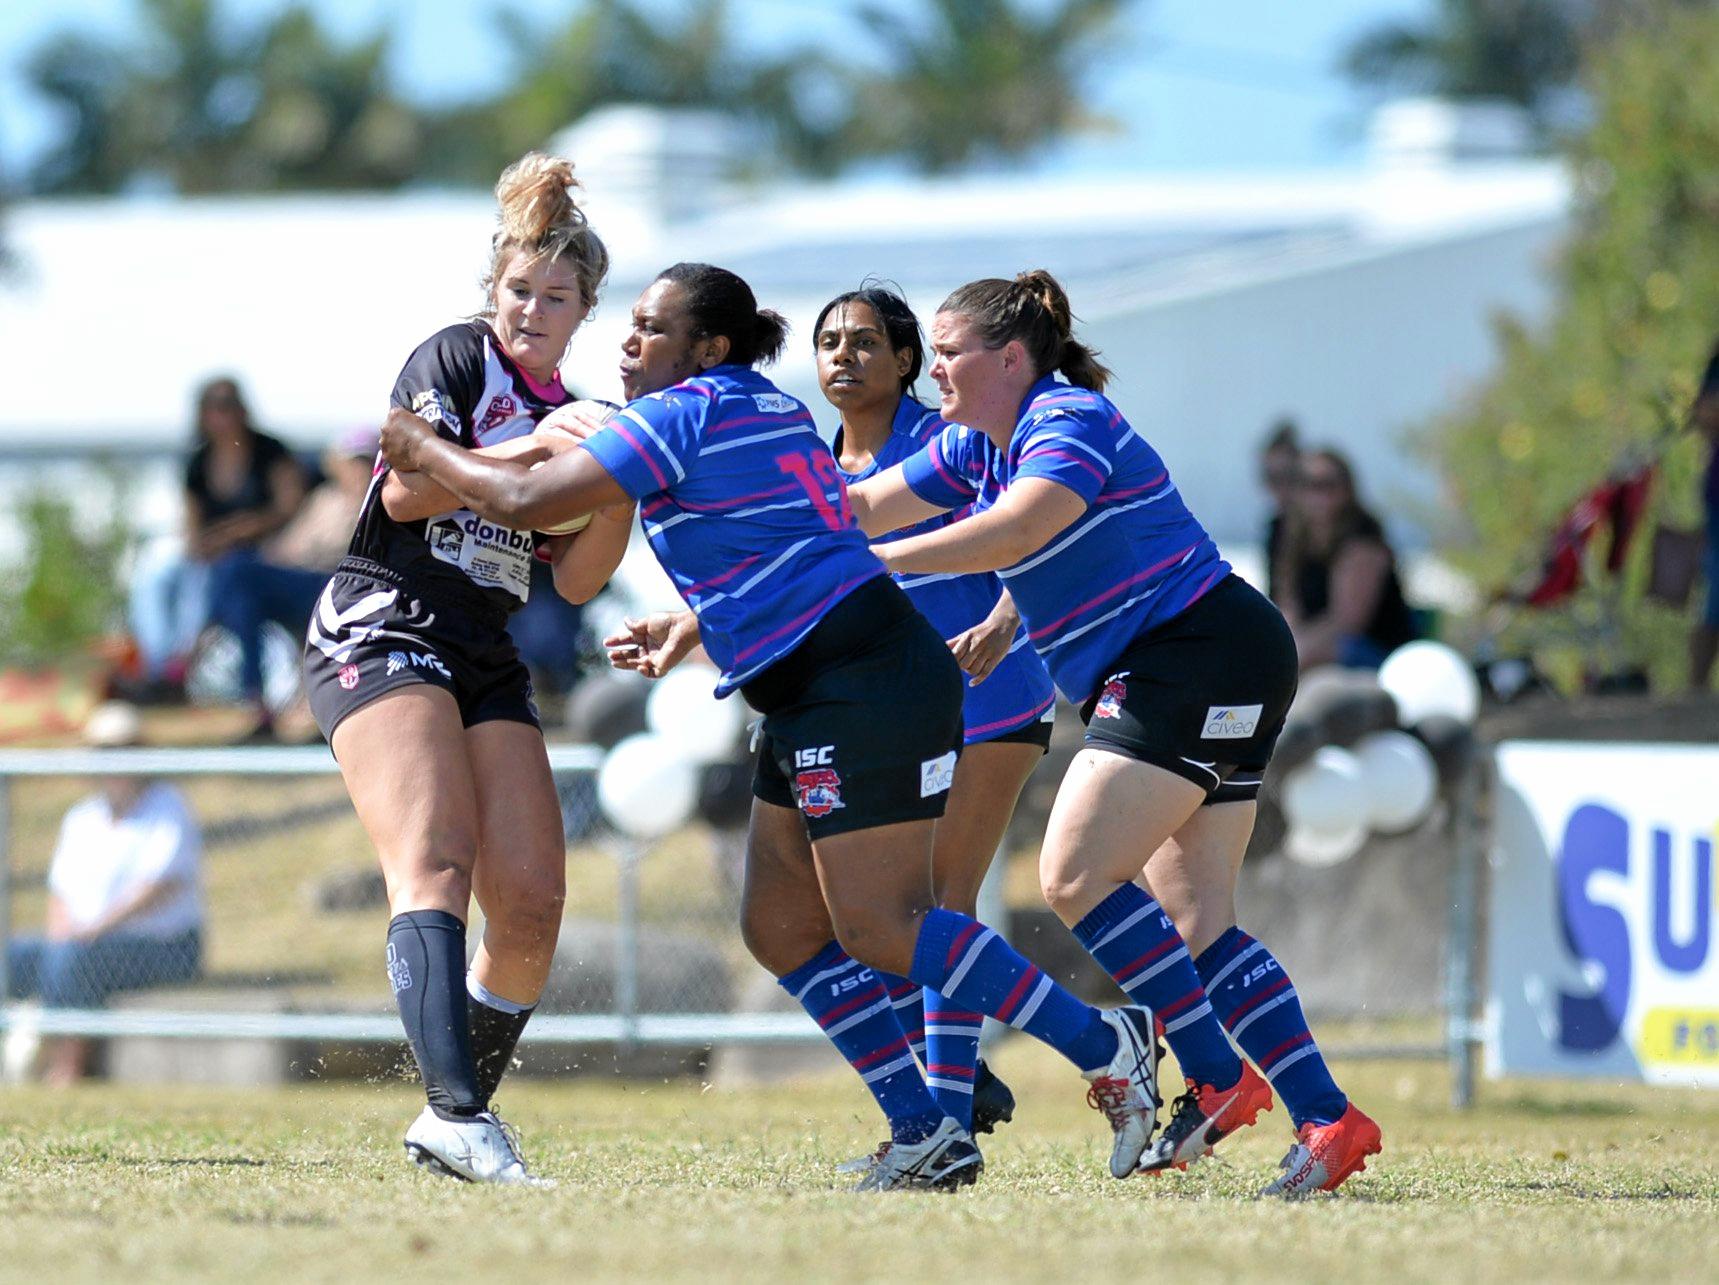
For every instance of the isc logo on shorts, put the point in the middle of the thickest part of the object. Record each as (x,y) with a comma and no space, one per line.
(1231,722)
(936,775)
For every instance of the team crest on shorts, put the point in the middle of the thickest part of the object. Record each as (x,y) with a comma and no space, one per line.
(819,791)
(1110,701)
(348,677)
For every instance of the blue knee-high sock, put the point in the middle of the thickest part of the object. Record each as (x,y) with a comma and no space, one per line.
(909,1000)
(850,1002)
(1137,944)
(972,966)
(1262,1013)
(952,1055)
(427,969)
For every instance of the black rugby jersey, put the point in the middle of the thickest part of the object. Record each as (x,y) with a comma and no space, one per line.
(462,382)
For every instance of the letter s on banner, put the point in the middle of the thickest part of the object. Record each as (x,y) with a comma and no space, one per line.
(1596,839)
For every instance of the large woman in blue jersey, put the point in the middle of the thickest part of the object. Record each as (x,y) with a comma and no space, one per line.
(1183,673)
(870,353)
(862,727)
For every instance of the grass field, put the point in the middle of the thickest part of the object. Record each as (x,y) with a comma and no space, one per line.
(679,1181)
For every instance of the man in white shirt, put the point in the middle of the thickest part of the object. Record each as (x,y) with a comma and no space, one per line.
(125,903)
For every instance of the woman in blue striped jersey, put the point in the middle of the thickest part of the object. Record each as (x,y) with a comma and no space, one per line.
(862,728)
(870,354)
(1183,674)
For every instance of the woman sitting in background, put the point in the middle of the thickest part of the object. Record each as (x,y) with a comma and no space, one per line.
(242,486)
(1335,576)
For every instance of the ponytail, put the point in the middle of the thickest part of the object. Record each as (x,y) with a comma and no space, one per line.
(1033,308)
(538,212)
(720,303)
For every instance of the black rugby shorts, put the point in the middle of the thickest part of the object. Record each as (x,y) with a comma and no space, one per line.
(1204,695)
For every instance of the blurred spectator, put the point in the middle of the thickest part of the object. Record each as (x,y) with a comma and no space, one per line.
(1704,640)
(320,532)
(1336,576)
(241,486)
(125,903)
(1279,471)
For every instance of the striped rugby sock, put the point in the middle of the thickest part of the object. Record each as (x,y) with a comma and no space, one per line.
(952,1055)
(1262,1013)
(909,1000)
(1134,941)
(973,967)
(849,1001)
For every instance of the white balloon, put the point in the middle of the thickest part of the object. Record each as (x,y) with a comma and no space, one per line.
(1312,847)
(682,708)
(1401,780)
(647,786)
(1428,678)
(1326,793)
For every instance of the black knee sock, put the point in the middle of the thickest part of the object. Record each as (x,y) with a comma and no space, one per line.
(495,1034)
(427,968)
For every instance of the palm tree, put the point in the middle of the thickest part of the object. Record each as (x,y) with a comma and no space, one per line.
(201,106)
(1518,50)
(979,79)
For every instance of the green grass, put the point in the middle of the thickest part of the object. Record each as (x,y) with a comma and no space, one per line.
(676,1180)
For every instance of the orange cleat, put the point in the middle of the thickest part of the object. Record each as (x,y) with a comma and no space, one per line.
(1324,1155)
(1204,1116)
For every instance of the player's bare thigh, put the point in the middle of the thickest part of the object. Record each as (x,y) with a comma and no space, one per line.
(403,758)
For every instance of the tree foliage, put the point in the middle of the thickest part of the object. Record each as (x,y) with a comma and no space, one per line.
(1614,370)
(1522,51)
(62,592)
(202,103)
(979,79)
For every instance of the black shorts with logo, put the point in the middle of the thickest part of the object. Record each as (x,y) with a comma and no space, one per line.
(373,632)
(862,721)
(1203,695)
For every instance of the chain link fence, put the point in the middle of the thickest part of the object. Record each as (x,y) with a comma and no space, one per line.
(290,917)
(274,925)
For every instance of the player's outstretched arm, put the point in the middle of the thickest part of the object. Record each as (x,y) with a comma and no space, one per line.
(886,503)
(1030,514)
(508,492)
(408,497)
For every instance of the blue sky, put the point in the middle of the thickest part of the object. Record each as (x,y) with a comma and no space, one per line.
(1194,84)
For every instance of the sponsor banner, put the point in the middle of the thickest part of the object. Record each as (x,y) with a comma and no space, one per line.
(1601,955)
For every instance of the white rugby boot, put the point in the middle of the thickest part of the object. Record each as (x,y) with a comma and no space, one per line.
(481,1149)
(866,1163)
(1126,1091)
(942,1162)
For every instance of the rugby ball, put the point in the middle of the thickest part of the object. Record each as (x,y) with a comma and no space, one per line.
(602,410)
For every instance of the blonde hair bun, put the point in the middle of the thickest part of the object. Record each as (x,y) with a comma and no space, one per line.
(536,195)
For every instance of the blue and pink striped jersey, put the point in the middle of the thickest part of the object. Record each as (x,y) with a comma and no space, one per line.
(1135,559)
(744,508)
(1018,691)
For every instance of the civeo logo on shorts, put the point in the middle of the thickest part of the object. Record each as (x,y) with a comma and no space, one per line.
(1231,722)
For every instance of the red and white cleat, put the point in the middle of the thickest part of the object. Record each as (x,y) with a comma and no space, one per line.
(1204,1116)
(1126,1091)
(1324,1155)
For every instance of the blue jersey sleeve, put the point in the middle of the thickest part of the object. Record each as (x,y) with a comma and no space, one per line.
(1077,451)
(649,444)
(949,471)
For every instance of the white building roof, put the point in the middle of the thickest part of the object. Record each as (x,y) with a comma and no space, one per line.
(1357,300)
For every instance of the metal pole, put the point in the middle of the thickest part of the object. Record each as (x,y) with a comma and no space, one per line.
(1470,827)
(627,943)
(5,897)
